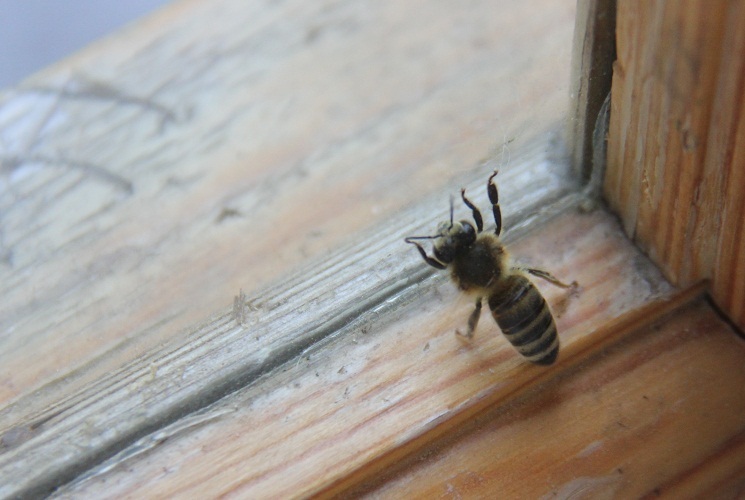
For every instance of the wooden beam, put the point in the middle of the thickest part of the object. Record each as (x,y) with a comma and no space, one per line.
(676,143)
(593,54)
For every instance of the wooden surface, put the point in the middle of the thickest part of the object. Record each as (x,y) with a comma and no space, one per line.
(676,143)
(388,385)
(609,428)
(593,55)
(279,154)
(151,177)
(224,146)
(354,285)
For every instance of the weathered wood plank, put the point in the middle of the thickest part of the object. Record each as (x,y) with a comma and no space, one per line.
(220,356)
(216,146)
(393,377)
(282,149)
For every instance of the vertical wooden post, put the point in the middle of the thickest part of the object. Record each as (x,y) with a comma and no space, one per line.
(676,146)
(593,53)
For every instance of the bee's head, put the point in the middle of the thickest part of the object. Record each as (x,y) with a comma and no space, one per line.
(451,238)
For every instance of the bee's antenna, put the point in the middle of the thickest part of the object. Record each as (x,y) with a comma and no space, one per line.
(451,210)
(419,238)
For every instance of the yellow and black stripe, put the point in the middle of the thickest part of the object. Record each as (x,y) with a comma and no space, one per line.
(525,319)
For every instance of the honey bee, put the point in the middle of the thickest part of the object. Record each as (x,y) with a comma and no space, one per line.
(480,266)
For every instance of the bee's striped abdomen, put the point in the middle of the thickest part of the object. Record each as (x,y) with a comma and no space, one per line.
(525,319)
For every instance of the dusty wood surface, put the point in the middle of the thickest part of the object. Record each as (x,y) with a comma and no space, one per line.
(215,146)
(676,143)
(226,146)
(389,383)
(353,285)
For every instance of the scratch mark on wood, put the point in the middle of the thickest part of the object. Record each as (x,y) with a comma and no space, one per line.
(13,163)
(227,213)
(88,89)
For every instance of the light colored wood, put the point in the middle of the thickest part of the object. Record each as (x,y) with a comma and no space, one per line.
(281,149)
(613,428)
(389,382)
(355,283)
(285,150)
(676,145)
(216,146)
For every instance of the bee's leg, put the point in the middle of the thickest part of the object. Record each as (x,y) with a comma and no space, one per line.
(550,278)
(473,321)
(475,211)
(429,260)
(491,188)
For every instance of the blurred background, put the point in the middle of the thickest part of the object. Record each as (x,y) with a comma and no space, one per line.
(36,33)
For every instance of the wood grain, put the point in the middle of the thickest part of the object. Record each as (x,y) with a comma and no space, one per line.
(279,153)
(676,145)
(235,347)
(611,428)
(279,149)
(386,382)
(218,146)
